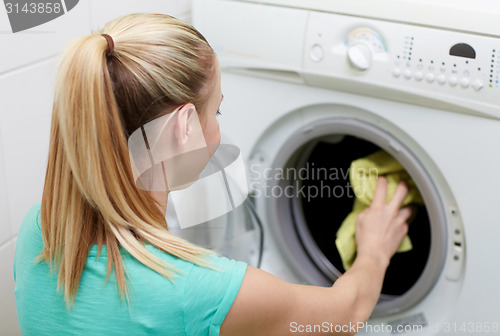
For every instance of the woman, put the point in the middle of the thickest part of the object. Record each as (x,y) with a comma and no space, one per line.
(97,258)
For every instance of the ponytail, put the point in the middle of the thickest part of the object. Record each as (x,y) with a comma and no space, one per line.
(89,193)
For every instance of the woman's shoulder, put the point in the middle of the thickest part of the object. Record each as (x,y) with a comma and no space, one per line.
(217,265)
(210,292)
(223,264)
(29,241)
(32,217)
(30,227)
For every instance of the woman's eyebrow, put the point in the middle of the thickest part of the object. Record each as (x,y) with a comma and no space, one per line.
(221,98)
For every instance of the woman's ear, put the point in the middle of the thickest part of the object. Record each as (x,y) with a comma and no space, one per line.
(182,126)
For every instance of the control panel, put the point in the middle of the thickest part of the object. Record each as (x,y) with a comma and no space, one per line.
(460,66)
(448,66)
(416,64)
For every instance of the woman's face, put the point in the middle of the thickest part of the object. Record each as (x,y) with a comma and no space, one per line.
(209,126)
(209,122)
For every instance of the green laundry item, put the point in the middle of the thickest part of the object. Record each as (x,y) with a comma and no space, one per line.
(363,175)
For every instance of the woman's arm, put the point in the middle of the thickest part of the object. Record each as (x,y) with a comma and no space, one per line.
(266,305)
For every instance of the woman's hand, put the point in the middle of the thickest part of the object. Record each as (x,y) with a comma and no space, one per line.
(381,227)
(266,305)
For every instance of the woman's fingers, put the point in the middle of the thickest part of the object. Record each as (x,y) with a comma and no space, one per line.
(380,192)
(381,227)
(399,196)
(404,213)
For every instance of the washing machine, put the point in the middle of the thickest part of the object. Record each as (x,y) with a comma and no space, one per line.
(310,86)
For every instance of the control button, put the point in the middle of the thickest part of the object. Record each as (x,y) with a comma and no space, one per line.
(464,82)
(419,76)
(453,81)
(441,79)
(396,73)
(429,77)
(477,84)
(317,53)
(407,74)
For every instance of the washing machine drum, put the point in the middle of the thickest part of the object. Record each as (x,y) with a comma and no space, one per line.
(322,216)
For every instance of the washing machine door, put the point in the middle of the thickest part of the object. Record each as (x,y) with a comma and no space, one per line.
(307,195)
(215,212)
(237,235)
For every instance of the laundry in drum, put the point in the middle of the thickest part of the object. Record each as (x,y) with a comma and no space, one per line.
(363,174)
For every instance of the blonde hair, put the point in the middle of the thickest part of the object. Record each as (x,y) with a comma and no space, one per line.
(89,195)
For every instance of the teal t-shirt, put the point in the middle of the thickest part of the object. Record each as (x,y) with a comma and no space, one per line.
(196,303)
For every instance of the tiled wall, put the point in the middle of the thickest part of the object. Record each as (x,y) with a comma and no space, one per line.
(27,72)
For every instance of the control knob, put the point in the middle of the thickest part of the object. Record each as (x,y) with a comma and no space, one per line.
(360,56)
(362,45)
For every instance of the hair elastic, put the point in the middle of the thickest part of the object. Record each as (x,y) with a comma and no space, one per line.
(111,44)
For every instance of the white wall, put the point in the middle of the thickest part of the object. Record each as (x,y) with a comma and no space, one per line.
(27,72)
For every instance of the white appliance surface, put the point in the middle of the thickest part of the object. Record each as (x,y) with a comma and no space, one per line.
(479,17)
(432,89)
(5,232)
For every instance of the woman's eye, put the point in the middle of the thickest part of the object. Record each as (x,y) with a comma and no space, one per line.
(218,112)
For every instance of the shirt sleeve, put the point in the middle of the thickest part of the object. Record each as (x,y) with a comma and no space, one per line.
(209,294)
